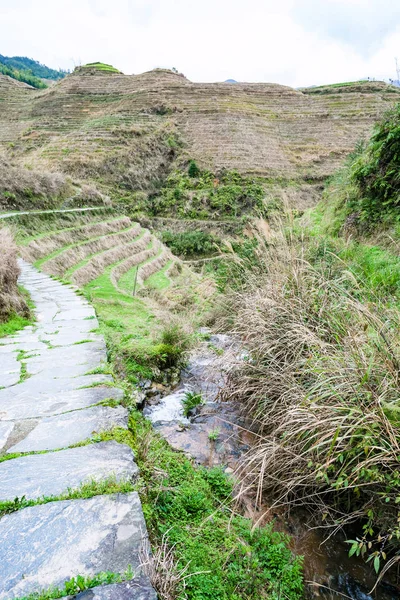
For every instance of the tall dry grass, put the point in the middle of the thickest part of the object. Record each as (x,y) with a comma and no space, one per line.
(22,188)
(11,299)
(321,388)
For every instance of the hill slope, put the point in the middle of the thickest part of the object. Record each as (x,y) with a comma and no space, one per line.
(101,126)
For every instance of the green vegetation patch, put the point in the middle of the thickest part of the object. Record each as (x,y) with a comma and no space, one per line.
(99,66)
(197,194)
(191,243)
(191,508)
(16,322)
(78,584)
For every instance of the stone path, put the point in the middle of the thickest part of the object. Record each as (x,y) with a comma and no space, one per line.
(51,390)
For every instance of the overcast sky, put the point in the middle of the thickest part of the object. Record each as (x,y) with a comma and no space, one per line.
(293,42)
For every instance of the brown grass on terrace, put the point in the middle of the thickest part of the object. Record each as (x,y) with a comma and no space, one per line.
(23,188)
(11,300)
(115,128)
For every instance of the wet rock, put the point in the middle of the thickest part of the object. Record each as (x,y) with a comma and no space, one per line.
(52,474)
(44,546)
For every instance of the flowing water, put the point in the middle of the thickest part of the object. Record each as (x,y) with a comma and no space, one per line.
(215,435)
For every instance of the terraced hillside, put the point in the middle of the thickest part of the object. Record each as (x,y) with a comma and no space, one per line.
(126,130)
(135,283)
(92,247)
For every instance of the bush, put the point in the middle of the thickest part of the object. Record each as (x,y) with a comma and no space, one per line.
(193,169)
(228,194)
(376,170)
(22,188)
(191,243)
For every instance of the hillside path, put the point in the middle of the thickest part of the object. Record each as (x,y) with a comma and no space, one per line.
(53,397)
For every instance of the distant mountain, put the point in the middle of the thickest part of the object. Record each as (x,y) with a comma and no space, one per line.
(28,70)
(230,81)
(23,63)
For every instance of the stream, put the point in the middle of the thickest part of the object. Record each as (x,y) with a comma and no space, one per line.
(215,434)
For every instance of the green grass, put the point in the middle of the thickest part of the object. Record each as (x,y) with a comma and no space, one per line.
(24,240)
(17,322)
(101,67)
(14,324)
(78,584)
(86,490)
(191,507)
(376,269)
(159,280)
(127,280)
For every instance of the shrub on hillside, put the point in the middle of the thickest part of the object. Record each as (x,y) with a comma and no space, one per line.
(191,243)
(11,299)
(365,193)
(376,170)
(227,195)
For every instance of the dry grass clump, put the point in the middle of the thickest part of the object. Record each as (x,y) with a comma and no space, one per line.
(321,388)
(161,568)
(11,300)
(21,188)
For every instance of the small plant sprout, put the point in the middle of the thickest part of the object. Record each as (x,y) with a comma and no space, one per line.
(214,434)
(190,401)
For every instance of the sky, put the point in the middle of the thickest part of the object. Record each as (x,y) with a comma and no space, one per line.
(291,42)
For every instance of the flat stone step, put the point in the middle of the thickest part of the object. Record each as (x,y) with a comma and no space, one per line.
(137,589)
(43,546)
(71,428)
(28,405)
(54,473)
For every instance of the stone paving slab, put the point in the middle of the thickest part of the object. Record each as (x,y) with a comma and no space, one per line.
(65,430)
(84,357)
(44,385)
(42,404)
(44,546)
(137,589)
(52,474)
(5,430)
(10,369)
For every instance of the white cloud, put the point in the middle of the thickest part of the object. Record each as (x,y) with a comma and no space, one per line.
(294,42)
